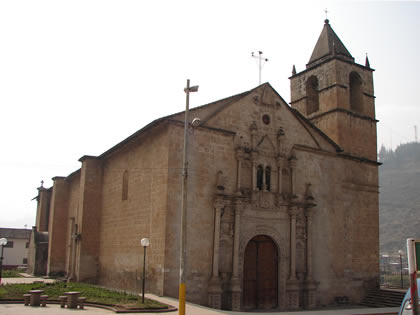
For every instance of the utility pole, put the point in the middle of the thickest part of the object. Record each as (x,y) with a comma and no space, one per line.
(183,231)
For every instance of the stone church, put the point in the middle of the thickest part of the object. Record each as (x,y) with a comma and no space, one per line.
(282,209)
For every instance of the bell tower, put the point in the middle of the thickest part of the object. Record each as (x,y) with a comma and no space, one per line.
(336,95)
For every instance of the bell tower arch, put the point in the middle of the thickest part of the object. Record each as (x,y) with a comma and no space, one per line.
(336,95)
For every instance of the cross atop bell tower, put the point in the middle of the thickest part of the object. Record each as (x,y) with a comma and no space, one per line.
(336,95)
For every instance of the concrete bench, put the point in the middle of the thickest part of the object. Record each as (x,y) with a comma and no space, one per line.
(72,298)
(63,300)
(44,300)
(81,301)
(35,299)
(26,299)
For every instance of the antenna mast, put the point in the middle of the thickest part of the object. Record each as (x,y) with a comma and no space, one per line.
(260,60)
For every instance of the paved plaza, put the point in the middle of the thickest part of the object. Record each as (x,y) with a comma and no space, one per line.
(192,309)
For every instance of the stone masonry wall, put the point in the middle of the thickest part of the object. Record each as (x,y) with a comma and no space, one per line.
(142,214)
(89,218)
(72,206)
(355,134)
(58,227)
(210,151)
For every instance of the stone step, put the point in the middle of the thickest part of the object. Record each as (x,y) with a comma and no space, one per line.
(383,298)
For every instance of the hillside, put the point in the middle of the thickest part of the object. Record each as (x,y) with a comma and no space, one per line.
(399,199)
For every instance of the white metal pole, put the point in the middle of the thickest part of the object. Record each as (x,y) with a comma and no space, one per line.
(412,269)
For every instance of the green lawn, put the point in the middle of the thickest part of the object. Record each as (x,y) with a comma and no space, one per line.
(92,293)
(10,274)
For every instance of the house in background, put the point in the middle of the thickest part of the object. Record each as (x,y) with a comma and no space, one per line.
(15,253)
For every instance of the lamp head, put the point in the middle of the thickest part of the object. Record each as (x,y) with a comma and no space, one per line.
(145,242)
(191,89)
(196,122)
(3,241)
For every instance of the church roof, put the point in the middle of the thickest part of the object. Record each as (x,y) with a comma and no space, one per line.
(216,106)
(328,45)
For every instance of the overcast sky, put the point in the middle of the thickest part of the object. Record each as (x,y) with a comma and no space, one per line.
(77,77)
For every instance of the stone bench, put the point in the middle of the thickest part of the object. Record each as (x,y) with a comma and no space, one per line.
(81,301)
(43,300)
(26,299)
(35,297)
(63,300)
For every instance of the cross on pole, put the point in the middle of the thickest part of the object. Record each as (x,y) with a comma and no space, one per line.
(260,60)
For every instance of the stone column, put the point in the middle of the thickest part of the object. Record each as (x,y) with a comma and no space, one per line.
(293,215)
(279,175)
(235,281)
(239,158)
(254,190)
(309,295)
(292,164)
(280,158)
(215,288)
(292,287)
(308,214)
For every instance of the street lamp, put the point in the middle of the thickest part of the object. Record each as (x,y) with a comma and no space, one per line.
(3,242)
(401,253)
(182,247)
(144,242)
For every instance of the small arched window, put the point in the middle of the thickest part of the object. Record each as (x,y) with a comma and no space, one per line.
(260,177)
(124,195)
(356,95)
(268,178)
(312,93)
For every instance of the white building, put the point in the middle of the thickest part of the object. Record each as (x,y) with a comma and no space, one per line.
(15,253)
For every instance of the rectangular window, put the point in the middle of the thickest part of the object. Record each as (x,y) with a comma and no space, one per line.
(25,261)
(27,245)
(9,244)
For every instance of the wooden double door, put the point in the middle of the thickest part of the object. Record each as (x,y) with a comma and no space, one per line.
(260,290)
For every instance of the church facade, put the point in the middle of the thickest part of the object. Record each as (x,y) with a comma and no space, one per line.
(282,208)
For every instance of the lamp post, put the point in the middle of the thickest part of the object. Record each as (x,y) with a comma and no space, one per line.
(401,253)
(144,242)
(3,242)
(182,247)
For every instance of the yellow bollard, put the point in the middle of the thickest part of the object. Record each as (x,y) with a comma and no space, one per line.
(181,307)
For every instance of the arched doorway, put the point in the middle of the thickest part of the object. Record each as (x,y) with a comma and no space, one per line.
(260,290)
